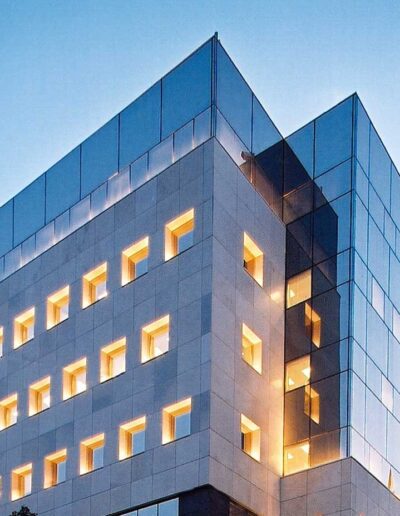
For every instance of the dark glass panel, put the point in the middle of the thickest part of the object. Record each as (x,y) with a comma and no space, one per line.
(325,361)
(327,306)
(325,233)
(327,447)
(265,134)
(298,338)
(297,421)
(302,144)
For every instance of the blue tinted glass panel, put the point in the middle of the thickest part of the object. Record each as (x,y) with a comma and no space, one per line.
(63,184)
(140,125)
(202,127)
(234,97)
(265,133)
(302,144)
(362,136)
(333,134)
(29,210)
(6,227)
(336,182)
(183,141)
(395,207)
(139,172)
(186,91)
(99,156)
(379,168)
(161,156)
(378,255)
(170,508)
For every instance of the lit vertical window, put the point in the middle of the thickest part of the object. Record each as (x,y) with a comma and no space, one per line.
(39,396)
(57,307)
(253,259)
(176,421)
(74,379)
(311,404)
(155,338)
(112,360)
(251,348)
(298,288)
(24,327)
(92,453)
(135,260)
(94,285)
(55,468)
(1,340)
(21,482)
(298,373)
(378,298)
(132,438)
(250,437)
(313,325)
(179,234)
(296,457)
(8,411)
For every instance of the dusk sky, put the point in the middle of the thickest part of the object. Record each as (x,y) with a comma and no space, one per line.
(66,67)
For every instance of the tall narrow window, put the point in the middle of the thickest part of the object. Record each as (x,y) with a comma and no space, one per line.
(94,285)
(253,259)
(251,348)
(1,340)
(112,360)
(39,396)
(135,260)
(8,411)
(24,327)
(179,234)
(155,338)
(298,288)
(176,421)
(378,298)
(298,373)
(21,482)
(297,457)
(92,453)
(55,468)
(57,307)
(250,437)
(311,404)
(74,379)
(313,325)
(132,438)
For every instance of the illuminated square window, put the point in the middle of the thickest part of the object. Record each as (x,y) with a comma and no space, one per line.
(92,453)
(251,348)
(298,288)
(253,259)
(24,327)
(313,325)
(176,421)
(250,437)
(55,468)
(155,339)
(296,457)
(1,340)
(39,396)
(112,360)
(21,482)
(312,404)
(8,411)
(132,438)
(298,373)
(74,379)
(57,307)
(94,285)
(135,260)
(179,234)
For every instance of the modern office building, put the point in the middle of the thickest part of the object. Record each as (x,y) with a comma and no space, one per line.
(199,316)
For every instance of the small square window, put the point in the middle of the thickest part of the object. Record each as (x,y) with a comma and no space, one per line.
(155,339)
(94,285)
(135,260)
(55,468)
(250,437)
(297,457)
(112,360)
(176,421)
(132,438)
(298,373)
(312,404)
(57,307)
(298,288)
(1,340)
(313,325)
(253,259)
(251,348)
(74,379)
(21,482)
(39,396)
(24,327)
(92,454)
(179,234)
(8,411)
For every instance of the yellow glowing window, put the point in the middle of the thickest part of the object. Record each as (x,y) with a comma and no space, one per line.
(176,421)
(250,437)
(55,468)
(24,327)
(92,453)
(39,396)
(313,325)
(21,482)
(113,360)
(57,307)
(311,404)
(298,373)
(297,457)
(253,259)
(179,234)
(135,261)
(8,411)
(94,285)
(155,339)
(298,288)
(251,348)
(132,438)
(74,379)
(1,340)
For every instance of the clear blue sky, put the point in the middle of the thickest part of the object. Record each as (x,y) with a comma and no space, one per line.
(67,66)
